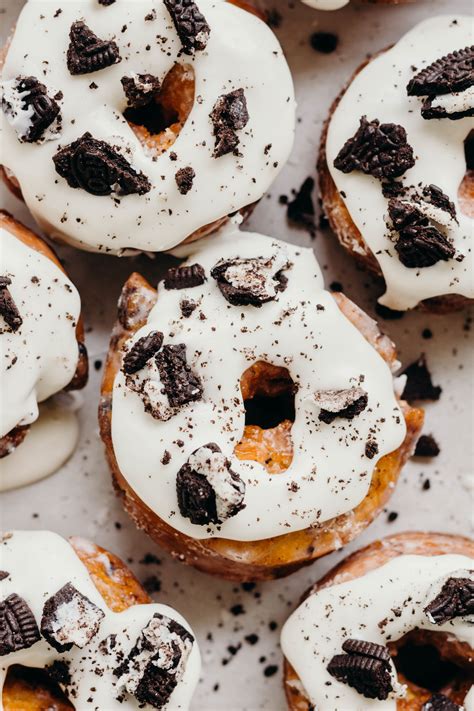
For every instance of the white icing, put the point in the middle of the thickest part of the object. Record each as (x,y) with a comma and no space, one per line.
(379,91)
(322,351)
(242,52)
(39,564)
(38,359)
(48,444)
(316,630)
(459,101)
(326,4)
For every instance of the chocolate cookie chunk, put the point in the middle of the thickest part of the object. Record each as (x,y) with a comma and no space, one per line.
(32,97)
(98,168)
(251,282)
(18,628)
(381,150)
(340,403)
(70,618)
(184,179)
(141,352)
(88,53)
(181,384)
(8,308)
(190,24)
(365,667)
(228,116)
(140,89)
(440,702)
(185,277)
(426,447)
(419,385)
(456,599)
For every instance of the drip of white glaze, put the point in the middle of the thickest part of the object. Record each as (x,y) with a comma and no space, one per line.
(326,4)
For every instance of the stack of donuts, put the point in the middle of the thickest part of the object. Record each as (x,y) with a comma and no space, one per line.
(253,420)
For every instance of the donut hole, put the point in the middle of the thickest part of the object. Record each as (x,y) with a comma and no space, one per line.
(158,124)
(268,392)
(426,661)
(466,188)
(24,683)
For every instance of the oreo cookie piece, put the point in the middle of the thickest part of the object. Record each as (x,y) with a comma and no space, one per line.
(253,281)
(140,89)
(440,702)
(185,277)
(88,53)
(426,446)
(456,599)
(380,150)
(8,308)
(229,115)
(365,667)
(18,628)
(157,662)
(208,490)
(190,24)
(419,385)
(436,197)
(346,403)
(184,179)
(98,168)
(180,383)
(70,619)
(141,352)
(30,110)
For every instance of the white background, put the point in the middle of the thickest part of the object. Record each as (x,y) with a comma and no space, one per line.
(79,499)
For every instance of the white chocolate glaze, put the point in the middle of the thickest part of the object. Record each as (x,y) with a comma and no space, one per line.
(303,330)
(49,443)
(379,92)
(326,4)
(353,610)
(242,52)
(39,564)
(38,359)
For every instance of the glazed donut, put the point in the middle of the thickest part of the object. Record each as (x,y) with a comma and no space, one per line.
(388,628)
(240,434)
(75,611)
(337,4)
(42,354)
(392,168)
(88,141)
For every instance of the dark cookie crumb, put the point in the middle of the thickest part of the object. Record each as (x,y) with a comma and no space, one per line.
(184,179)
(59,672)
(392,516)
(427,447)
(228,116)
(270,670)
(371,448)
(187,307)
(324,42)
(140,89)
(419,385)
(87,53)
(300,210)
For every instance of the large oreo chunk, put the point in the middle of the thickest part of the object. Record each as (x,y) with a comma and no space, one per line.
(140,89)
(30,109)
(185,277)
(8,308)
(18,628)
(88,53)
(381,150)
(157,661)
(456,599)
(190,24)
(70,618)
(98,168)
(251,282)
(365,667)
(229,115)
(208,490)
(346,403)
(180,382)
(141,352)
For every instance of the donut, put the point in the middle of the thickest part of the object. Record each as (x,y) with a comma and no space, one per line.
(42,354)
(395,182)
(388,628)
(337,4)
(79,632)
(149,123)
(241,435)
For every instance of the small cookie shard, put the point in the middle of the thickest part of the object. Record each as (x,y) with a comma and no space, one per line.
(365,667)
(141,352)
(340,403)
(18,628)
(98,168)
(451,75)
(427,446)
(440,702)
(456,599)
(207,488)
(88,53)
(380,150)
(419,385)
(185,277)
(419,244)
(436,197)
(190,24)
(157,662)
(229,115)
(140,89)
(70,618)
(30,110)
(106,2)
(253,281)
(180,383)
(8,308)
(12,440)
(184,179)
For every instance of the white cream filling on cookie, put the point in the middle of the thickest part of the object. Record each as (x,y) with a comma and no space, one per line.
(241,53)
(301,329)
(379,92)
(378,607)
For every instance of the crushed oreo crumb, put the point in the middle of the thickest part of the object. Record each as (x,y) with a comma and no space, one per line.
(190,24)
(340,403)
(185,277)
(184,179)
(324,42)
(8,308)
(228,116)
(365,667)
(427,447)
(59,672)
(141,352)
(180,383)
(300,210)
(140,89)
(106,2)
(70,618)
(253,281)
(98,168)
(371,448)
(87,53)
(419,385)
(456,599)
(18,628)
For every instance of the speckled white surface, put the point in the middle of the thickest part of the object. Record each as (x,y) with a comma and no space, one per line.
(79,499)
